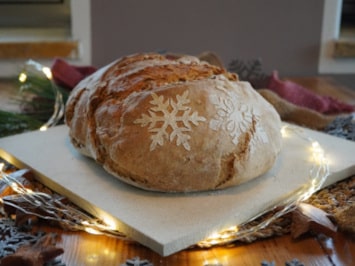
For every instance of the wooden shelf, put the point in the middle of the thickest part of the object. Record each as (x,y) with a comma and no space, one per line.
(344,49)
(39,50)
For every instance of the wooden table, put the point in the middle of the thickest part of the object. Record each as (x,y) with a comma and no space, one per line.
(81,248)
(84,249)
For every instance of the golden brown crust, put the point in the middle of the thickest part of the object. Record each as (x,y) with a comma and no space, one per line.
(173,125)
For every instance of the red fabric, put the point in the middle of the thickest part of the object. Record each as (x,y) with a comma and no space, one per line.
(301,96)
(67,75)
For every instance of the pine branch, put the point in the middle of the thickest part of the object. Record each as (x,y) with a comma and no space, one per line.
(37,101)
(251,71)
(37,97)
(13,123)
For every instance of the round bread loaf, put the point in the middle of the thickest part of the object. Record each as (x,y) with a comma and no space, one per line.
(173,125)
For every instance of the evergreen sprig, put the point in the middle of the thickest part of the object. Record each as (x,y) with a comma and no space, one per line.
(37,97)
(14,123)
(36,100)
(251,71)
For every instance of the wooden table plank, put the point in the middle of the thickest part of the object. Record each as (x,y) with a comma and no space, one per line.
(339,249)
(85,249)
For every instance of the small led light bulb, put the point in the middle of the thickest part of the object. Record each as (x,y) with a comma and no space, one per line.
(47,71)
(22,77)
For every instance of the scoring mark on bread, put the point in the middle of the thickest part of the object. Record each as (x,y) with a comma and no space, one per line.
(228,169)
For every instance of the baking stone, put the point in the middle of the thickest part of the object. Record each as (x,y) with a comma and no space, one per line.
(165,222)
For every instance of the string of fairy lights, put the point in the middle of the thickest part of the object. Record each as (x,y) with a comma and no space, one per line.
(51,208)
(73,218)
(317,176)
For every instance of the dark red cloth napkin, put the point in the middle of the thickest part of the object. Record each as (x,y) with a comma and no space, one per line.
(67,75)
(301,96)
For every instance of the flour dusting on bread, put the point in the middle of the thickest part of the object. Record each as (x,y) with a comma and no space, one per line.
(173,125)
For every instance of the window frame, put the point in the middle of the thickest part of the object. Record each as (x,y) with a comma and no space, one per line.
(331,26)
(80,32)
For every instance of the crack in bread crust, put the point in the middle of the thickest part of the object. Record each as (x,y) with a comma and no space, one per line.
(229,161)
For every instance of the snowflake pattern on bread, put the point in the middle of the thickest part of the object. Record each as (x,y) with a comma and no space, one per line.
(173,125)
(235,117)
(176,115)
